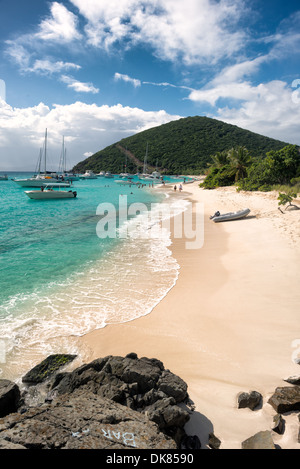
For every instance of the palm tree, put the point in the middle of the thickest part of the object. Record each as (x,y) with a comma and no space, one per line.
(240,159)
(219,159)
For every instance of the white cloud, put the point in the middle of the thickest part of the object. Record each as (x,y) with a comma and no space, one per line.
(134,81)
(79,86)
(18,53)
(86,127)
(270,110)
(192,30)
(48,66)
(2,90)
(61,26)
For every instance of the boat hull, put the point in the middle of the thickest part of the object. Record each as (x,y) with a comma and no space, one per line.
(34,182)
(50,195)
(231,216)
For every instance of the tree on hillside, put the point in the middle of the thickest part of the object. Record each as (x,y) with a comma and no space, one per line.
(219,159)
(283,164)
(240,159)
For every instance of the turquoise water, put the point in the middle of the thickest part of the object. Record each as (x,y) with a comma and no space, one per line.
(58,278)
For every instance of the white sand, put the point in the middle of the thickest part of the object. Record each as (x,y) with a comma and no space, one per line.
(229,323)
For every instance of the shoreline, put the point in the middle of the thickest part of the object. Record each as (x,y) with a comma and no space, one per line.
(229,322)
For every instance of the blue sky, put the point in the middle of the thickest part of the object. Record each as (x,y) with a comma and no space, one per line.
(95,71)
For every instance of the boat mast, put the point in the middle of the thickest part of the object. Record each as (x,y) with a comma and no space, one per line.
(46,152)
(65,161)
(38,167)
(62,163)
(145,160)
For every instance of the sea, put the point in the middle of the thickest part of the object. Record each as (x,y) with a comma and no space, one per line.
(70,266)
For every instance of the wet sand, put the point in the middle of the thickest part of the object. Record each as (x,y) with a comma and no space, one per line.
(231,321)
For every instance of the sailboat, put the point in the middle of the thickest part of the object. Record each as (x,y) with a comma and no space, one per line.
(41,177)
(63,163)
(125,175)
(146,176)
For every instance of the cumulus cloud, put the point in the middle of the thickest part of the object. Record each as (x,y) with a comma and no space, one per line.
(87,128)
(61,26)
(272,111)
(194,31)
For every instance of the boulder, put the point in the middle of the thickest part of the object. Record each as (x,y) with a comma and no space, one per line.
(9,397)
(250,400)
(293,380)
(82,420)
(285,399)
(47,368)
(278,424)
(261,440)
(213,441)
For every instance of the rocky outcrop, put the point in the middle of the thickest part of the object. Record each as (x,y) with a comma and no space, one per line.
(82,420)
(112,402)
(285,399)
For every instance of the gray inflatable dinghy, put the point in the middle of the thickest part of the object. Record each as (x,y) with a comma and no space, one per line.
(217,217)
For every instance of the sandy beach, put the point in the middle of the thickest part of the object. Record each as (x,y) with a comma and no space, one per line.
(231,322)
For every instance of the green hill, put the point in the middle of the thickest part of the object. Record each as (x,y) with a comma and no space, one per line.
(184,146)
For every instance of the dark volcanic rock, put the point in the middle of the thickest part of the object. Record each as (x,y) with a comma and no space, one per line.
(173,386)
(213,441)
(47,368)
(261,440)
(251,400)
(9,397)
(285,399)
(82,420)
(278,424)
(112,402)
(293,380)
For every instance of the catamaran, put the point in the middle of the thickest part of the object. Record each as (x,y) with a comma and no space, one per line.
(3,177)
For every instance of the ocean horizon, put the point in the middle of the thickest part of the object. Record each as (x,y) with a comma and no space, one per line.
(60,280)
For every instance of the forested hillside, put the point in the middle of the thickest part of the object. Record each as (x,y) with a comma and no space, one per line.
(184,146)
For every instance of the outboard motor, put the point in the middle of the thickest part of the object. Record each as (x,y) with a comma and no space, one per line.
(75,194)
(217,214)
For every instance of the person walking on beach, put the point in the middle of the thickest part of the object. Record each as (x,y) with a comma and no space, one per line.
(180,188)
(175,187)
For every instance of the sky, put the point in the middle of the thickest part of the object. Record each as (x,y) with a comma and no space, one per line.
(95,71)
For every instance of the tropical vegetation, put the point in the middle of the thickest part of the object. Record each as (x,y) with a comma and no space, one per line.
(184,146)
(278,169)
